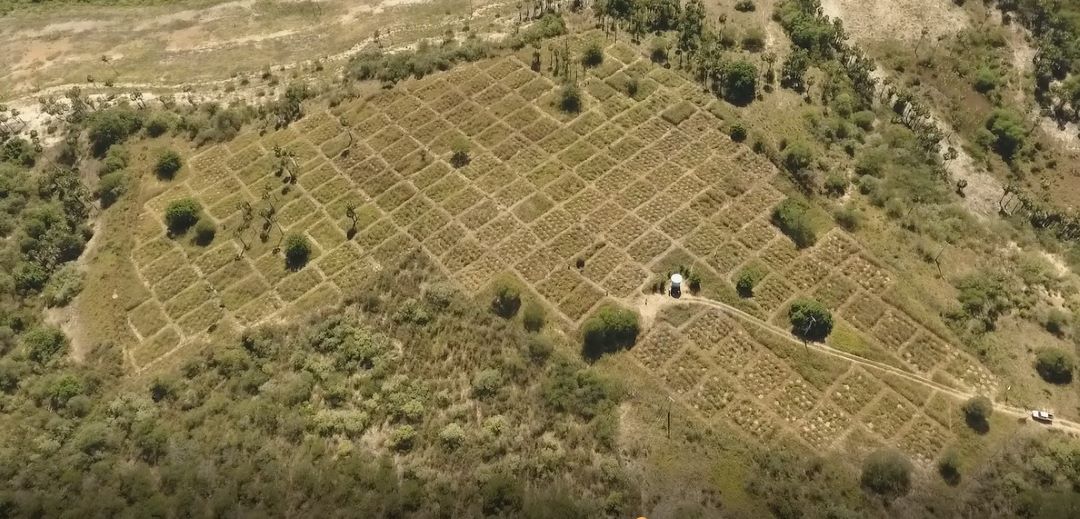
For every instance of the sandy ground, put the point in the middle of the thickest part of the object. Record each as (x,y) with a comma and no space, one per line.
(904,20)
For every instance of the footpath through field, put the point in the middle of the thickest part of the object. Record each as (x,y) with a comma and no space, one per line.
(1059,423)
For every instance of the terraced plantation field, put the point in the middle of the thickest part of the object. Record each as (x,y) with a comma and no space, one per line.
(630,186)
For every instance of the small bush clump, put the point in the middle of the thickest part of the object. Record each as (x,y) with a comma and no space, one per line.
(297,251)
(1054,365)
(791,217)
(205,231)
(181,214)
(168,163)
(609,329)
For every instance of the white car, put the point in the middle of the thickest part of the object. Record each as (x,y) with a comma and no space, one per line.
(1042,416)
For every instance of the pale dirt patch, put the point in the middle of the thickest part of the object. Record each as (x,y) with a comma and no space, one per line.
(903,20)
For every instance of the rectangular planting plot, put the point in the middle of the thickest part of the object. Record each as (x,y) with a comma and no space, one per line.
(889,414)
(856,390)
(580,301)
(147,318)
(297,283)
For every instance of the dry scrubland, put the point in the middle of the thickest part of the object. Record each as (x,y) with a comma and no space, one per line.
(628,189)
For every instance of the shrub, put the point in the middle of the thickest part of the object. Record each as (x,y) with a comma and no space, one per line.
(507,300)
(887,473)
(863,119)
(487,383)
(539,348)
(111,187)
(791,217)
(181,214)
(401,438)
(847,218)
(593,55)
(753,39)
(115,160)
(459,149)
(570,98)
(29,277)
(502,496)
(810,319)
(836,184)
(740,82)
(297,251)
(984,296)
(609,329)
(452,436)
(44,343)
(977,412)
(745,6)
(205,231)
(1056,322)
(798,156)
(63,286)
(747,279)
(168,163)
(158,124)
(985,80)
(737,132)
(1054,365)
(949,467)
(533,317)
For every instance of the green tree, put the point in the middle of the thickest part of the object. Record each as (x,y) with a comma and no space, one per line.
(1008,130)
(593,55)
(570,98)
(168,163)
(181,214)
(44,343)
(745,282)
(793,70)
(740,81)
(887,473)
(610,329)
(792,218)
(1054,365)
(112,126)
(949,467)
(810,319)
(297,251)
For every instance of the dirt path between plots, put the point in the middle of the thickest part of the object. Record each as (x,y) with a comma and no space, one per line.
(657,303)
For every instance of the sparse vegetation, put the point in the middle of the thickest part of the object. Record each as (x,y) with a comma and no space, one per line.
(887,473)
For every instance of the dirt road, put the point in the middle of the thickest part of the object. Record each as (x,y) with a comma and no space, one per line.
(1059,424)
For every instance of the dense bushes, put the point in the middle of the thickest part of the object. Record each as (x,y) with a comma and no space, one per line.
(506,301)
(791,217)
(112,126)
(44,343)
(609,329)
